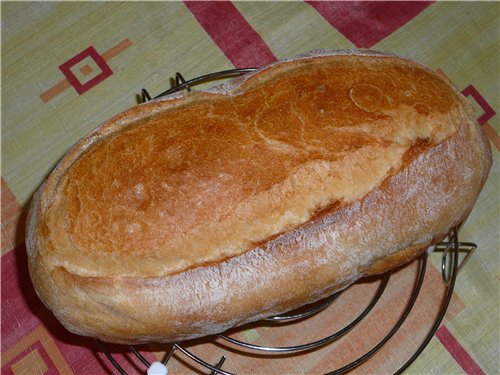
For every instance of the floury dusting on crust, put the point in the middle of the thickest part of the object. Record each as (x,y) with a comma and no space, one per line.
(228,88)
(193,213)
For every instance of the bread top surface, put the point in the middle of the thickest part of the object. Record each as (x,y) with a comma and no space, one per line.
(175,184)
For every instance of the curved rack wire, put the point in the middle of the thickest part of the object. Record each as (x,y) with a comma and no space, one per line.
(181,83)
(449,269)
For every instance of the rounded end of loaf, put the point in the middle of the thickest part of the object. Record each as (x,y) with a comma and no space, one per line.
(402,176)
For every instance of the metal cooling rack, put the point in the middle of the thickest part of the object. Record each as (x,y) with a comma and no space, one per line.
(449,269)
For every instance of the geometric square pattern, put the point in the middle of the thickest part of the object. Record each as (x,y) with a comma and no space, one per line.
(457,36)
(13,220)
(488,111)
(83,64)
(36,353)
(30,364)
(79,86)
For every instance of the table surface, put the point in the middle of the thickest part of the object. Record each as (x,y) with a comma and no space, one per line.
(67,67)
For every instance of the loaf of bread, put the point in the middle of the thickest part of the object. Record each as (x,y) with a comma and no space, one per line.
(191,214)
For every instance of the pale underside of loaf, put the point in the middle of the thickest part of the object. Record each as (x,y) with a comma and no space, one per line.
(254,198)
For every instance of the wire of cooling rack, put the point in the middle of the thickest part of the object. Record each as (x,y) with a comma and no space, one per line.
(449,269)
(181,83)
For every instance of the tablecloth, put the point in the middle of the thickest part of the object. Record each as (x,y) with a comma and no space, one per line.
(68,66)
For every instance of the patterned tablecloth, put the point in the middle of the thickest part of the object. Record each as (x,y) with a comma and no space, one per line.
(66,67)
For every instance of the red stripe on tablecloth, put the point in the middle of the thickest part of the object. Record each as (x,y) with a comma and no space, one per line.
(365,23)
(232,33)
(489,112)
(36,346)
(458,352)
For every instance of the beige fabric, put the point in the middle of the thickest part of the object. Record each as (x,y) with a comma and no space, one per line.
(144,44)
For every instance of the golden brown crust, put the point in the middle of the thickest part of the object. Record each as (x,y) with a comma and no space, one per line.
(219,208)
